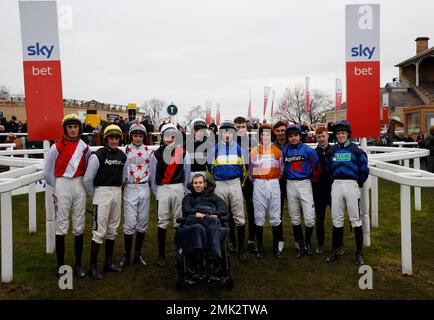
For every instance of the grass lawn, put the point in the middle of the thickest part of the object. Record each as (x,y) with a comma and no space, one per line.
(288,278)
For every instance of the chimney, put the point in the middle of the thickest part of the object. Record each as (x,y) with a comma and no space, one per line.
(421,44)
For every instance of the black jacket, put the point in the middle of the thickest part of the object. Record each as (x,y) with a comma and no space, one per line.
(429,143)
(198,151)
(322,189)
(206,202)
(247,141)
(111,166)
(173,172)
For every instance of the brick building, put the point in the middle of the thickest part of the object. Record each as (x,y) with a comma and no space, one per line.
(16,107)
(417,74)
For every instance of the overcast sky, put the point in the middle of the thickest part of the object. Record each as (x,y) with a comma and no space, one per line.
(191,51)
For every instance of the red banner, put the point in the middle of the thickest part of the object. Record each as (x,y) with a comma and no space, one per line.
(208,117)
(42,72)
(266,95)
(338,97)
(208,113)
(44,102)
(217,117)
(385,116)
(362,24)
(385,109)
(363,98)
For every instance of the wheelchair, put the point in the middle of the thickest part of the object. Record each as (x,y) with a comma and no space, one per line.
(222,274)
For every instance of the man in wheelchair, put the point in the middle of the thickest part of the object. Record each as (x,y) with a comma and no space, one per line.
(201,233)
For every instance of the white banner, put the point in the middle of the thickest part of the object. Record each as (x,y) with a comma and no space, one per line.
(267,91)
(338,98)
(306,84)
(40,37)
(362,36)
(385,100)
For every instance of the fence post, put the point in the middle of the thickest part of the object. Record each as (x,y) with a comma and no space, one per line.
(374,201)
(400,161)
(6,237)
(23,139)
(406,230)
(49,210)
(417,190)
(32,207)
(365,204)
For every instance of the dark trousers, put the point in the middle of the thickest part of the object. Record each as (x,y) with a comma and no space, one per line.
(282,184)
(248,197)
(320,209)
(206,234)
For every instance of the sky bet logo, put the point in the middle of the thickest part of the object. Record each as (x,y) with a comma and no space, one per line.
(40,50)
(361,51)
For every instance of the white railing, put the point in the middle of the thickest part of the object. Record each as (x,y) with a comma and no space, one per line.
(405,176)
(18,134)
(26,172)
(403,143)
(8,146)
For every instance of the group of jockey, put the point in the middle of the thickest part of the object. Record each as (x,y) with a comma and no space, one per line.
(248,172)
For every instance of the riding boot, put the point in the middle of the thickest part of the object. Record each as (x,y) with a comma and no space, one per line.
(358,233)
(276,239)
(93,272)
(108,264)
(78,247)
(260,239)
(128,242)
(138,259)
(241,232)
(308,232)
(161,247)
(337,236)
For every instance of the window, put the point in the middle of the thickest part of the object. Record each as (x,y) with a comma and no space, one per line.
(429,120)
(413,122)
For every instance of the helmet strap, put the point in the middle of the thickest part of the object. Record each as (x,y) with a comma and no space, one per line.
(70,138)
(108,148)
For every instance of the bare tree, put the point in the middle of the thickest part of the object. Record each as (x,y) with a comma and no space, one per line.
(4,93)
(193,113)
(320,103)
(153,109)
(296,106)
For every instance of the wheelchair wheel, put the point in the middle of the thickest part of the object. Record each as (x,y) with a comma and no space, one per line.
(229,279)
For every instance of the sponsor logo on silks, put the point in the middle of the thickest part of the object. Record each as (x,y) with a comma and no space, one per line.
(342,157)
(113,162)
(361,51)
(265,158)
(295,159)
(40,50)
